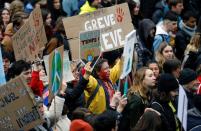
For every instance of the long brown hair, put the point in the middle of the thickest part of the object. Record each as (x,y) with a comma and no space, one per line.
(138,83)
(194,44)
(159,54)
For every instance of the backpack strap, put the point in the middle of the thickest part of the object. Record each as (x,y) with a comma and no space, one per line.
(92,96)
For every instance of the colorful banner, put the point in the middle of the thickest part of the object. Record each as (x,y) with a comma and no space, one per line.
(2,73)
(90,46)
(56,70)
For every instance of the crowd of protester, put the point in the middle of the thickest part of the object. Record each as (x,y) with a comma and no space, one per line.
(168,56)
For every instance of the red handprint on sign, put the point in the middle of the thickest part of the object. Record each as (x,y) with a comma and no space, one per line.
(119,14)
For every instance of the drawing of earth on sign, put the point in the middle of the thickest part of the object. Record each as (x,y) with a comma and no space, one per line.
(56,74)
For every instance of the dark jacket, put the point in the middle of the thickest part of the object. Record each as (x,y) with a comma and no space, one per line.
(193,119)
(132,112)
(167,115)
(74,96)
(144,42)
(160,9)
(190,97)
(182,39)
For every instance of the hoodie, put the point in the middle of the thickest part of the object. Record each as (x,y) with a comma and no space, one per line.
(144,42)
(161,35)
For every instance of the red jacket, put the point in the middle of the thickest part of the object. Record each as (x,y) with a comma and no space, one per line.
(36,84)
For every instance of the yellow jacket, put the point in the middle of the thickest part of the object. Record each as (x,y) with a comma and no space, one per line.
(86,8)
(98,104)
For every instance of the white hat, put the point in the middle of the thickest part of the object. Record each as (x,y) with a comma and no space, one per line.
(137,2)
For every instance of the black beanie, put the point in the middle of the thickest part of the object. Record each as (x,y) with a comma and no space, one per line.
(187,75)
(167,83)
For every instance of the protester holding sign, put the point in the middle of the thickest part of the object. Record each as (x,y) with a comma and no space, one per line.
(102,85)
(138,98)
(32,78)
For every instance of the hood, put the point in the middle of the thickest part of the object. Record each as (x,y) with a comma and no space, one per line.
(145,26)
(160,30)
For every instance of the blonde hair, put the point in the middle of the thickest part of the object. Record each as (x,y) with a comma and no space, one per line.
(194,44)
(138,83)
(159,54)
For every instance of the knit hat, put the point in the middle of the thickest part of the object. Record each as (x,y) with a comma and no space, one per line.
(187,75)
(80,125)
(167,83)
(137,2)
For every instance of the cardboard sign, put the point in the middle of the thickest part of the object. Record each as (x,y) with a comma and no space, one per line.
(114,23)
(90,46)
(182,107)
(128,53)
(2,74)
(36,21)
(28,40)
(56,70)
(18,110)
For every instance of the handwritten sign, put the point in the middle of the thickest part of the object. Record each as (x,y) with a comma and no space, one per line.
(18,111)
(128,53)
(90,46)
(114,23)
(28,40)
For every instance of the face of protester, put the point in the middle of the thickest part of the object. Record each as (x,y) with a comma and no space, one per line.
(168,53)
(193,86)
(5,16)
(172,26)
(174,94)
(56,4)
(96,3)
(104,72)
(191,22)
(41,109)
(177,72)
(149,80)
(27,75)
(154,67)
(136,9)
(178,8)
(6,64)
(48,19)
